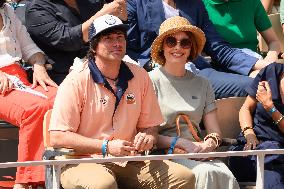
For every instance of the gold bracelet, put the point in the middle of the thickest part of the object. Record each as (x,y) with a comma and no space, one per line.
(246,128)
(215,137)
(278,121)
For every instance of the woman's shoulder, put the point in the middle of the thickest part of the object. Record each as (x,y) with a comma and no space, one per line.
(155,74)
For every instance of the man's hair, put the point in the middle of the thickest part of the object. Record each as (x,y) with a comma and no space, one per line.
(94,42)
(2,3)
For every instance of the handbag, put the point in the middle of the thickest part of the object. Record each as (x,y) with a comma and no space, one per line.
(193,130)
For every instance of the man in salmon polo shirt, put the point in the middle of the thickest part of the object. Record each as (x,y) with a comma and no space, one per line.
(107,107)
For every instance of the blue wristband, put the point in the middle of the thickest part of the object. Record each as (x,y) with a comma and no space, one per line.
(104,148)
(173,143)
(272,110)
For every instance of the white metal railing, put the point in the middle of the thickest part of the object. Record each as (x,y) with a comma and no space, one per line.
(59,163)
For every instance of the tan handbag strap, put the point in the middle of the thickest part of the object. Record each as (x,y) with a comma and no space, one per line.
(191,128)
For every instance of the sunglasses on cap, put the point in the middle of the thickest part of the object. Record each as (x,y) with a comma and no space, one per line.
(172,42)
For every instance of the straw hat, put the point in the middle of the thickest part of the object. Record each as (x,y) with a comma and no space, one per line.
(171,26)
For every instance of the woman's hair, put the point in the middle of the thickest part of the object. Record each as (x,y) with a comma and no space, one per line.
(2,3)
(193,49)
(94,42)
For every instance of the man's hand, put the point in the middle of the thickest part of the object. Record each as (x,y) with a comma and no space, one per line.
(120,148)
(143,142)
(5,84)
(116,8)
(41,77)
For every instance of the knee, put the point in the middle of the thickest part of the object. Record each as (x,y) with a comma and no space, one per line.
(184,177)
(108,183)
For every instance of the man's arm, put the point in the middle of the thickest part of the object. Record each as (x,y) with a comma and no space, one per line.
(223,55)
(133,33)
(81,144)
(267,4)
(45,27)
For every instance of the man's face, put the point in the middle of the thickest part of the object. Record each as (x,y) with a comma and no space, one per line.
(111,47)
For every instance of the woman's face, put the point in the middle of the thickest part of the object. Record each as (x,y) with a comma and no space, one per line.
(177,48)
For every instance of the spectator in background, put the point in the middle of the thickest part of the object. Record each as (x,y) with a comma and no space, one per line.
(60,28)
(21,103)
(105,107)
(192,96)
(20,9)
(228,72)
(282,14)
(267,4)
(262,123)
(229,23)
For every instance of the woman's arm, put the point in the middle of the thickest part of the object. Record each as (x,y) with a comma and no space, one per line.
(211,122)
(246,122)
(187,145)
(40,75)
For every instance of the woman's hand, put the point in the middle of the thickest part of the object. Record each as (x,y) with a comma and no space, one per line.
(264,95)
(41,77)
(207,146)
(188,146)
(251,139)
(5,84)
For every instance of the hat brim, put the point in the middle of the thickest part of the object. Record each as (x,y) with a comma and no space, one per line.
(157,45)
(123,27)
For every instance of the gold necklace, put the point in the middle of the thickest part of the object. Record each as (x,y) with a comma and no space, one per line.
(114,81)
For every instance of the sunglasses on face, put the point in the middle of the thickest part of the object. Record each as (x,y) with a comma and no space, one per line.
(172,42)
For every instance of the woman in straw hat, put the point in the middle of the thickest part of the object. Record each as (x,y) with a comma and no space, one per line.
(190,96)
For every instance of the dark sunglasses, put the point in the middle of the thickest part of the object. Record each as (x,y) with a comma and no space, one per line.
(172,42)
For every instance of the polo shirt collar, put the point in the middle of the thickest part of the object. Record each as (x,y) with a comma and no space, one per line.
(124,74)
(123,77)
(215,2)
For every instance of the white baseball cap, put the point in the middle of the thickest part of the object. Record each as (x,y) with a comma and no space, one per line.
(103,23)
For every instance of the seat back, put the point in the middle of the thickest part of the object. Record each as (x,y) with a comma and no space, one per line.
(276,25)
(46,122)
(228,117)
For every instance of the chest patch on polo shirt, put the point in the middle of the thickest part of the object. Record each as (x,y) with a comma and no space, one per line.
(130,98)
(103,101)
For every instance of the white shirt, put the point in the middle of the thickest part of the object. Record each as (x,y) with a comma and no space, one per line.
(170,11)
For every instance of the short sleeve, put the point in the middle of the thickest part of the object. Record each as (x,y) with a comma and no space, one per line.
(261,19)
(210,99)
(67,106)
(150,112)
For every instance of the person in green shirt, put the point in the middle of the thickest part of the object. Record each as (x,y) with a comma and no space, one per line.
(238,22)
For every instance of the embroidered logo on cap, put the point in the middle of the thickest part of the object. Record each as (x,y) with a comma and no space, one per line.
(130,98)
(110,20)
